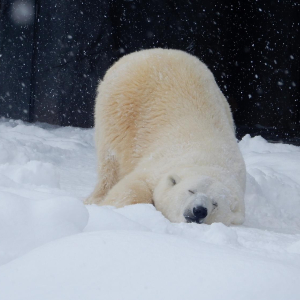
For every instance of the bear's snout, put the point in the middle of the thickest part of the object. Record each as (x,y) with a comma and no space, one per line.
(197,215)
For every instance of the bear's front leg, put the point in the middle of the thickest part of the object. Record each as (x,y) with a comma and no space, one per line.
(132,189)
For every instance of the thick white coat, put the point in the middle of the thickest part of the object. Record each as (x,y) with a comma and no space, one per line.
(160,116)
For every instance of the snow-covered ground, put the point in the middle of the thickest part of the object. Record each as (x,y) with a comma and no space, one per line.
(54,247)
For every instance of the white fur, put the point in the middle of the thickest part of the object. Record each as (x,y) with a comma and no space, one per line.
(159,114)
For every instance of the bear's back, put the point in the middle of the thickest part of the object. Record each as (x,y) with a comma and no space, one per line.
(147,92)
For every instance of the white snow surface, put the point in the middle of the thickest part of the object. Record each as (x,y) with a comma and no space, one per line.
(54,247)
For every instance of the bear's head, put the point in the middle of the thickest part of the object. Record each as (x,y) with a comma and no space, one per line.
(195,198)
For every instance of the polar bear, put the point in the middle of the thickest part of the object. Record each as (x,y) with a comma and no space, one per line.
(165,135)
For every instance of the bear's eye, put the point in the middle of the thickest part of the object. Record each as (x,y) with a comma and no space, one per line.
(173,181)
(192,192)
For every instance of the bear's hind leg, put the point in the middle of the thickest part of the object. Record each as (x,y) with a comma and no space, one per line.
(108,174)
(132,189)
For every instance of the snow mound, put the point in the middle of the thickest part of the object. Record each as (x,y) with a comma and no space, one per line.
(34,173)
(273,184)
(26,224)
(54,247)
(144,265)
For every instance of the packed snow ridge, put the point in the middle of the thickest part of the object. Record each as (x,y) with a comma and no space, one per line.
(54,247)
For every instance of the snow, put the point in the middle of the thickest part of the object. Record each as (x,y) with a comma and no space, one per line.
(54,247)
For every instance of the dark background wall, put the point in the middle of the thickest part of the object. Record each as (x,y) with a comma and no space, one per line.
(52,54)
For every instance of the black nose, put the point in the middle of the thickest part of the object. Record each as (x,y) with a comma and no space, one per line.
(200,212)
(197,216)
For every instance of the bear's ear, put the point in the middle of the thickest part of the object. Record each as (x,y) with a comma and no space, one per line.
(174,179)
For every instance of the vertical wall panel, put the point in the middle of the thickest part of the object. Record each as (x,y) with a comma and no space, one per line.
(16,44)
(73,52)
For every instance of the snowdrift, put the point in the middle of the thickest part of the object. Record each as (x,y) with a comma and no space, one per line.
(54,247)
